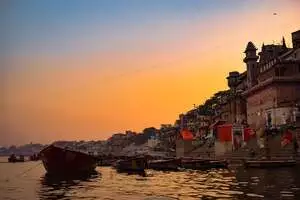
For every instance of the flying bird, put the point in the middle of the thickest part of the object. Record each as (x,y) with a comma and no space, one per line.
(274,13)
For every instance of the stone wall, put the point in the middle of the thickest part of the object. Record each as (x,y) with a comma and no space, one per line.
(288,94)
(259,102)
(193,149)
(276,100)
(224,150)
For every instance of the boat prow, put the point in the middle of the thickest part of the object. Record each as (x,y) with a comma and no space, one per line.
(57,160)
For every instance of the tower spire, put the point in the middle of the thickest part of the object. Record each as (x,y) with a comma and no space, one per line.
(283,43)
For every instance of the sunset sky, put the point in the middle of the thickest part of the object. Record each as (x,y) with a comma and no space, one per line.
(83,70)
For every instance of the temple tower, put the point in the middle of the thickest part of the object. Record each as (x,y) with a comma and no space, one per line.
(251,62)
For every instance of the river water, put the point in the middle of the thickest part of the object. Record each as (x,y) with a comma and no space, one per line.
(27,181)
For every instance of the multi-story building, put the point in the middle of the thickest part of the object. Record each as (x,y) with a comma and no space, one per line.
(273,82)
(270,86)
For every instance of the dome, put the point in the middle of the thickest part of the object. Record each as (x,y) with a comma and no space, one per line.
(250,47)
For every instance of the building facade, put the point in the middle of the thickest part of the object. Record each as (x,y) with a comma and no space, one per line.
(273,82)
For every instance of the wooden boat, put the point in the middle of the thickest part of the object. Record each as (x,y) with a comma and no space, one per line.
(168,164)
(269,163)
(57,160)
(203,164)
(34,157)
(13,158)
(131,164)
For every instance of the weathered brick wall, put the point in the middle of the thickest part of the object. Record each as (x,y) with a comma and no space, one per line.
(288,94)
(259,102)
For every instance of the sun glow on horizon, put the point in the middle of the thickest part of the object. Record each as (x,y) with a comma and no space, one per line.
(96,82)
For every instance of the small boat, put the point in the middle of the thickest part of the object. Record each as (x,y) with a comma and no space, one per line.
(269,163)
(13,158)
(203,164)
(168,164)
(34,157)
(131,164)
(57,160)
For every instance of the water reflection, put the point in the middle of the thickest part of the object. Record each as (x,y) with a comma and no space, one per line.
(140,173)
(63,186)
(280,183)
(244,184)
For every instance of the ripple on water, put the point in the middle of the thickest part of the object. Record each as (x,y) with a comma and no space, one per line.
(155,185)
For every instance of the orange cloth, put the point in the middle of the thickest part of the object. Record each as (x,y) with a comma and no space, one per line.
(187,135)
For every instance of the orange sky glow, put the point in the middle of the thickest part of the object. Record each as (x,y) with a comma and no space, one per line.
(91,95)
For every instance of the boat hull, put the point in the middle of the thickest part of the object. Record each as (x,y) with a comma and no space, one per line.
(58,160)
(133,164)
(168,165)
(203,164)
(270,163)
(14,159)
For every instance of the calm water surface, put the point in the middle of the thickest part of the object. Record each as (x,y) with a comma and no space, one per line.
(28,181)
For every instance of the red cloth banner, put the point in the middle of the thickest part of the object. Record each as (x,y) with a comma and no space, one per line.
(224,133)
(248,134)
(287,138)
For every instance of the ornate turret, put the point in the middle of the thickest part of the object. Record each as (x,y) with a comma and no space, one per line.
(251,62)
(232,79)
(250,52)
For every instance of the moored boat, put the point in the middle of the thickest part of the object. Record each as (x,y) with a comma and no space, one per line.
(131,164)
(34,157)
(57,160)
(13,158)
(269,163)
(202,164)
(168,164)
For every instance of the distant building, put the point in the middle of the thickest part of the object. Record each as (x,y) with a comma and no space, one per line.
(130,134)
(153,142)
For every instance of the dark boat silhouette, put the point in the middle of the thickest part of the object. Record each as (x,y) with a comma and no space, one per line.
(269,163)
(13,158)
(134,164)
(167,164)
(57,160)
(203,164)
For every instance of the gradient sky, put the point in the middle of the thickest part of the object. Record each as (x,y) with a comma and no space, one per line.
(77,70)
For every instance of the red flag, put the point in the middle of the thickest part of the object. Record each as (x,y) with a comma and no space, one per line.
(187,135)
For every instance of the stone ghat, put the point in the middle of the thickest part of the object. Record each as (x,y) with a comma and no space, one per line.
(251,151)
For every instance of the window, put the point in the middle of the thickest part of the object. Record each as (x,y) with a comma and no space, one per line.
(299,68)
